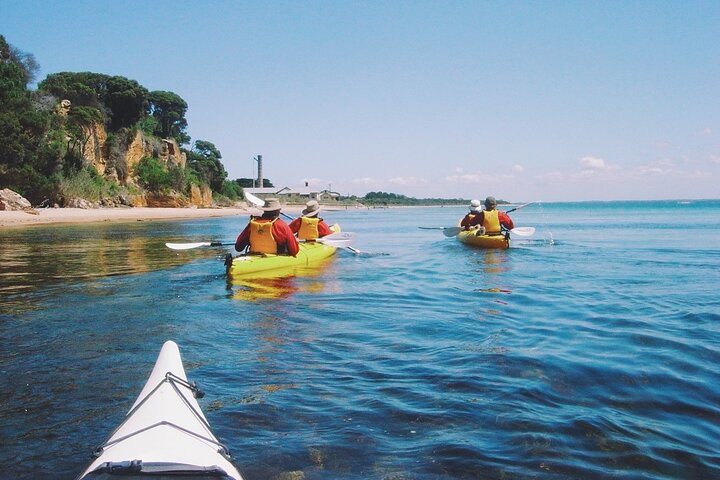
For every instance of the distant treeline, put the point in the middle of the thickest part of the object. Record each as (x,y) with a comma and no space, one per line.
(394,199)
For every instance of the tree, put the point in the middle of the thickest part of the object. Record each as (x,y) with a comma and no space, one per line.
(26,62)
(250,182)
(169,110)
(27,163)
(126,99)
(204,159)
(122,101)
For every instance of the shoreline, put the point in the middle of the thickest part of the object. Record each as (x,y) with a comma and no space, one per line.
(72,216)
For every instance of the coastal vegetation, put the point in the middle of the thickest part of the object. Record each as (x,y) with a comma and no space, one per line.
(101,138)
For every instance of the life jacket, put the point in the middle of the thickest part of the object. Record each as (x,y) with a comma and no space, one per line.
(491,222)
(469,219)
(309,228)
(261,237)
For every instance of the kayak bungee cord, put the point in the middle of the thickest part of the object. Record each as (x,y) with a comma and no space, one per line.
(174,381)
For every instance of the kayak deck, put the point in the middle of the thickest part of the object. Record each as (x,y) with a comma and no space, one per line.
(272,265)
(311,253)
(164,433)
(470,237)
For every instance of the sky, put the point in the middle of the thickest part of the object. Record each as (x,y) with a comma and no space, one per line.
(523,100)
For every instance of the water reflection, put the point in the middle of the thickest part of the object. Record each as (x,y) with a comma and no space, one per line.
(492,261)
(51,256)
(278,284)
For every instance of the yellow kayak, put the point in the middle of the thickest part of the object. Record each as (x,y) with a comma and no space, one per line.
(470,237)
(270,265)
(311,253)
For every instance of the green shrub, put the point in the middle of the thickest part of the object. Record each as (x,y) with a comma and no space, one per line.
(152,176)
(222,200)
(231,190)
(85,183)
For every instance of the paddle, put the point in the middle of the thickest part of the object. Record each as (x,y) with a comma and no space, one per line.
(338,240)
(520,231)
(523,231)
(518,208)
(447,231)
(259,202)
(188,246)
(453,231)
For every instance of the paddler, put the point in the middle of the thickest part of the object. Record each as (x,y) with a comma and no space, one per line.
(268,233)
(309,226)
(490,220)
(473,217)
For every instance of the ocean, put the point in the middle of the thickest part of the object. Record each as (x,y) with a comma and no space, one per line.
(589,350)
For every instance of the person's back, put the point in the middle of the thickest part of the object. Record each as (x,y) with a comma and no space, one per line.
(473,217)
(310,227)
(494,220)
(268,234)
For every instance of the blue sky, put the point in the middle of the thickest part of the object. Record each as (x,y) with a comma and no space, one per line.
(536,100)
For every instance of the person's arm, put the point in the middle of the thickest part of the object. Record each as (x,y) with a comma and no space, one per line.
(323,229)
(295,225)
(505,220)
(243,240)
(284,236)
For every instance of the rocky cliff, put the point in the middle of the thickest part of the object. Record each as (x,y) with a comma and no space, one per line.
(114,157)
(115,160)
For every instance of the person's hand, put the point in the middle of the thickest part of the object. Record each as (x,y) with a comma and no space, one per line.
(480,231)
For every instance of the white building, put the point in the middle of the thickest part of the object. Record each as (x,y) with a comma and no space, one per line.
(298,196)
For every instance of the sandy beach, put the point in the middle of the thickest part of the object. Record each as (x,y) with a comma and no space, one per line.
(48,216)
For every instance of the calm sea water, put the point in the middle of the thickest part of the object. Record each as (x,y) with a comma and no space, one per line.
(591,350)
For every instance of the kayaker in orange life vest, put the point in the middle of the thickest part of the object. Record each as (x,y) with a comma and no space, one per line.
(490,220)
(310,226)
(268,233)
(473,217)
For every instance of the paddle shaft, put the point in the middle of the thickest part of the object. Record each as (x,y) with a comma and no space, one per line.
(518,208)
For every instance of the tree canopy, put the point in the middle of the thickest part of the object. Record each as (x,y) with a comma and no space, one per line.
(122,101)
(26,164)
(169,110)
(204,159)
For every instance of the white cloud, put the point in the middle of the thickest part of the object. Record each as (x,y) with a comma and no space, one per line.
(408,181)
(659,167)
(518,168)
(366,181)
(715,159)
(706,132)
(593,163)
(465,178)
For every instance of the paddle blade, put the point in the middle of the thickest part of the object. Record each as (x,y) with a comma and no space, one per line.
(340,239)
(523,231)
(258,202)
(451,231)
(187,246)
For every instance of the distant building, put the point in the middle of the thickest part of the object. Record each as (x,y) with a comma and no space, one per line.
(298,196)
